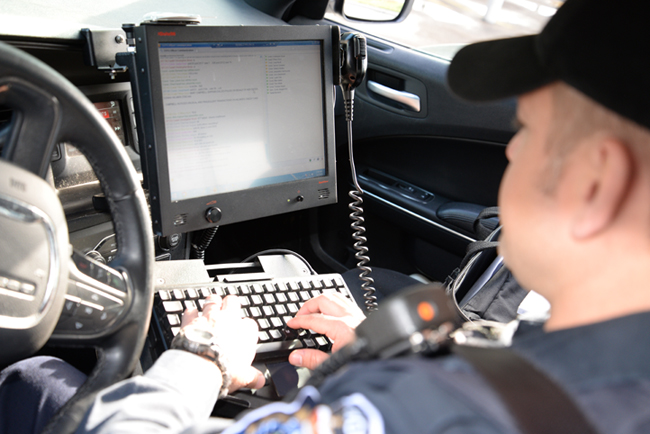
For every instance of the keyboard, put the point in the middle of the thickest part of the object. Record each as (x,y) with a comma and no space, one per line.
(271,303)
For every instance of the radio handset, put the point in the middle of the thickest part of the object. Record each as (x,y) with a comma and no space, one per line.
(354,63)
(353,66)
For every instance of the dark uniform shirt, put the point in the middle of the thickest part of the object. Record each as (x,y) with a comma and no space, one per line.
(605,367)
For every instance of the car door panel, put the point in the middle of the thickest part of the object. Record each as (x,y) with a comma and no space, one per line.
(426,173)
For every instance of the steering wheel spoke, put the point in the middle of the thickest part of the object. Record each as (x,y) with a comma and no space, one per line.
(96,298)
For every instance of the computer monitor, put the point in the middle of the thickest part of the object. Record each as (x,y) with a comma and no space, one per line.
(237,122)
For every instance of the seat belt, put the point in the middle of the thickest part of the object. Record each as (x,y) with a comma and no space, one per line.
(537,403)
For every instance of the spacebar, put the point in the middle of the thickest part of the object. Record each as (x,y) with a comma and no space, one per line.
(272,349)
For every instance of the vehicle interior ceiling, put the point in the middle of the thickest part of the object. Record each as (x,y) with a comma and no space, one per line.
(449,149)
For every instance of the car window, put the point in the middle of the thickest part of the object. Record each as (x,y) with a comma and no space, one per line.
(442,27)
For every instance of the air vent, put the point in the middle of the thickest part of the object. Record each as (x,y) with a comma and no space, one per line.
(324,193)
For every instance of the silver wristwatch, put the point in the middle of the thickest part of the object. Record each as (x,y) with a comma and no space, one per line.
(199,340)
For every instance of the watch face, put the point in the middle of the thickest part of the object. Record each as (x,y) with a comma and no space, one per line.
(198,335)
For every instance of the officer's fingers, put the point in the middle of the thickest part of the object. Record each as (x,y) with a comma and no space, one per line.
(247,377)
(307,358)
(231,302)
(189,316)
(212,304)
(329,304)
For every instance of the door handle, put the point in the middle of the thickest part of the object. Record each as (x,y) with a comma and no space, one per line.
(410,100)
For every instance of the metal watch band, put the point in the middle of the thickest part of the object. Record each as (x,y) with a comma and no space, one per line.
(200,343)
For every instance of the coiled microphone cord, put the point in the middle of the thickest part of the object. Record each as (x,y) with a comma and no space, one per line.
(370,300)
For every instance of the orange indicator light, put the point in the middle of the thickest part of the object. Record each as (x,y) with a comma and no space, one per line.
(426,311)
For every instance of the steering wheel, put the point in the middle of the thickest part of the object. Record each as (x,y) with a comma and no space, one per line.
(46,290)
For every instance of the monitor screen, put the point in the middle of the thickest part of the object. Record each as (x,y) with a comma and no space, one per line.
(238,122)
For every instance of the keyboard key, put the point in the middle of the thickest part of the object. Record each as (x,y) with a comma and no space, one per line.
(178,294)
(257,288)
(321,341)
(315,293)
(204,292)
(293,296)
(175,330)
(244,301)
(293,308)
(280,309)
(281,297)
(172,306)
(164,295)
(317,284)
(263,323)
(275,334)
(256,300)
(281,286)
(245,290)
(280,348)
(305,284)
(294,286)
(289,333)
(269,299)
(268,287)
(304,295)
(173,319)
(268,310)
(276,322)
(263,336)
(309,343)
(255,312)
(190,304)
(191,293)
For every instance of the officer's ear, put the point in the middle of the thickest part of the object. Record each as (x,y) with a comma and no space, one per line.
(608,168)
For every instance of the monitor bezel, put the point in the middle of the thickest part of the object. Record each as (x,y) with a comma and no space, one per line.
(187,215)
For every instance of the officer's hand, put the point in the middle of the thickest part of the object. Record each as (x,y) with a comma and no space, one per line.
(236,336)
(329,314)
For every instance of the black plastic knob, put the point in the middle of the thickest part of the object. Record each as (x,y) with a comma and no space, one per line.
(213,214)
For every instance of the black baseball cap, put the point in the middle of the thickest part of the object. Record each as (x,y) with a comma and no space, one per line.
(599,47)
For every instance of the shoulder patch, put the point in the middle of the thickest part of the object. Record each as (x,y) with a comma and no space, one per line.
(352,414)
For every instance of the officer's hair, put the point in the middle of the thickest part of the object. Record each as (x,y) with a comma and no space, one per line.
(576,116)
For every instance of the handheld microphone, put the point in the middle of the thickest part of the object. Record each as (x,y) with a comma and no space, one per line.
(354,63)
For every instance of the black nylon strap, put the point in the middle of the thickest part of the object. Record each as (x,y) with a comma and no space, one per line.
(476,247)
(538,404)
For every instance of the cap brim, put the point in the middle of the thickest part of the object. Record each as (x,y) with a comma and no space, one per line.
(497,69)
